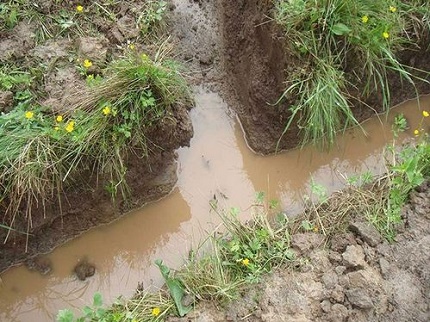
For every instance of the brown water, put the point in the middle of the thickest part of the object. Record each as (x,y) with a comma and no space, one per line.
(219,164)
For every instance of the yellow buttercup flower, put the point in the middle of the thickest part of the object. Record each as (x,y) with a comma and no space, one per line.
(29,115)
(70,126)
(416,132)
(156,311)
(107,110)
(386,35)
(87,63)
(365,19)
(59,118)
(245,262)
(131,46)
(426,114)
(79,8)
(393,9)
(56,128)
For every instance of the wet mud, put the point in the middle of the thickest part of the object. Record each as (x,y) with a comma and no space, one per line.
(229,47)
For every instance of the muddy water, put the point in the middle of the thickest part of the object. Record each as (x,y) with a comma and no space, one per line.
(217,165)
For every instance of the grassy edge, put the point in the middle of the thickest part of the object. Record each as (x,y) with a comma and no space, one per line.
(238,254)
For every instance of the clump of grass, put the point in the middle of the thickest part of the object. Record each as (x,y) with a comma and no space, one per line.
(41,153)
(379,200)
(332,37)
(236,254)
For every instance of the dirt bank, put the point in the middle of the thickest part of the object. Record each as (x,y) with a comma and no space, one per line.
(257,65)
(57,83)
(355,276)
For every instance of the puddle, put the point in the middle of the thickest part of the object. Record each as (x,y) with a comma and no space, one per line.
(217,165)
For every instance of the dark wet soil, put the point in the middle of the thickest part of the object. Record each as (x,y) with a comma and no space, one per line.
(256,66)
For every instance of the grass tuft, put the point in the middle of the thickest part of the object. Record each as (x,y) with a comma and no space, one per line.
(42,152)
(336,37)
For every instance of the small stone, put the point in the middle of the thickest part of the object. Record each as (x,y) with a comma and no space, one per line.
(84,270)
(359,298)
(339,313)
(305,242)
(330,279)
(337,294)
(325,306)
(367,231)
(341,241)
(385,267)
(354,257)
(340,270)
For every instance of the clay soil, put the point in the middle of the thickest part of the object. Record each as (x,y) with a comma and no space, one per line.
(228,45)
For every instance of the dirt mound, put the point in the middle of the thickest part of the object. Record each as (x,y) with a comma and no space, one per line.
(349,280)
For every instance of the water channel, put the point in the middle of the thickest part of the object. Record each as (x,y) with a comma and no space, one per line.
(217,164)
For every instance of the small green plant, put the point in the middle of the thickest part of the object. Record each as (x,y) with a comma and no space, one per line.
(151,16)
(8,15)
(400,124)
(409,168)
(94,313)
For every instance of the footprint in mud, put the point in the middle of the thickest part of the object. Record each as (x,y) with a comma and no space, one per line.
(84,269)
(41,264)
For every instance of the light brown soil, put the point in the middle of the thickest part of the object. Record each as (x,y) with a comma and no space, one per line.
(356,277)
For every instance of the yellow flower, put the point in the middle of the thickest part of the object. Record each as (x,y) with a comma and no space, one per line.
(426,114)
(56,128)
(79,8)
(365,19)
(70,126)
(87,63)
(393,9)
(386,35)
(106,110)
(131,46)
(156,311)
(59,118)
(29,115)
(416,132)
(245,262)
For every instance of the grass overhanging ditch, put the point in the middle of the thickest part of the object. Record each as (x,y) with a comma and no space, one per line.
(238,254)
(342,43)
(42,152)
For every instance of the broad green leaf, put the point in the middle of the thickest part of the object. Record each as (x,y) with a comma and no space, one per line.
(97,300)
(340,29)
(65,316)
(175,287)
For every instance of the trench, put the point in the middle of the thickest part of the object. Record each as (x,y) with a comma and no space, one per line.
(218,164)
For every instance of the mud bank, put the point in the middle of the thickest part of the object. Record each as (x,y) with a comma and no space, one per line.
(85,202)
(257,65)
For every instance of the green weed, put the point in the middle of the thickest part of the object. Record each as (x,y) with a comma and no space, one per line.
(334,37)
